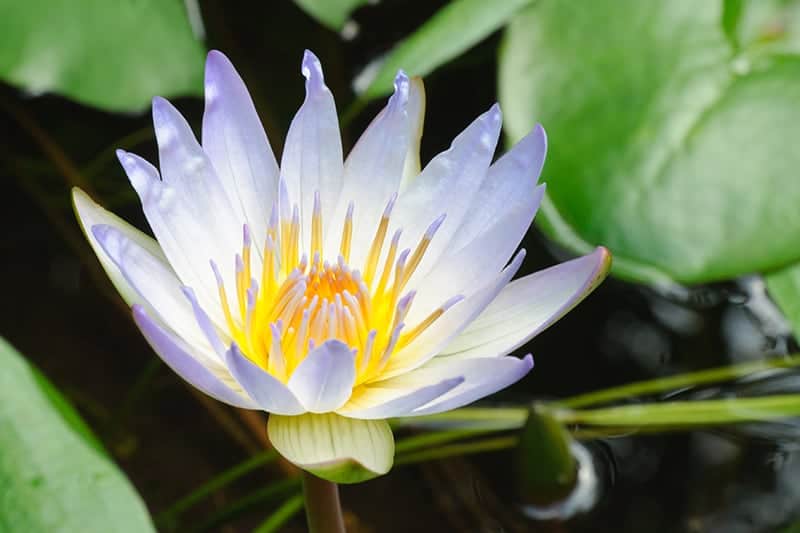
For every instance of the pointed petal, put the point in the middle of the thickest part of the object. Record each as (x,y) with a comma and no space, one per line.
(373,170)
(270,394)
(510,185)
(91,214)
(482,377)
(173,221)
(236,144)
(323,381)
(397,396)
(312,154)
(529,305)
(447,186)
(478,261)
(450,324)
(332,447)
(416,112)
(179,357)
(154,283)
(187,170)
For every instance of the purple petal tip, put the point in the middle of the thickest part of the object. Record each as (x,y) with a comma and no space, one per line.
(401,85)
(312,68)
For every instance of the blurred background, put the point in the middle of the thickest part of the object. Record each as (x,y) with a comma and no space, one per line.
(673,131)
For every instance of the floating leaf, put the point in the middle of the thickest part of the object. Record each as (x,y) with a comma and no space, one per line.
(666,146)
(53,474)
(112,55)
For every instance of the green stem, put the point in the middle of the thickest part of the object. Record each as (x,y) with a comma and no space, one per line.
(690,379)
(465,448)
(323,511)
(426,440)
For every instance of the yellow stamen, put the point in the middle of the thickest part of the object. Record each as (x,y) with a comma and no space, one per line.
(347,234)
(316,226)
(302,303)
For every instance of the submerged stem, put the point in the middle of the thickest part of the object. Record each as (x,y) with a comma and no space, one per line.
(323,511)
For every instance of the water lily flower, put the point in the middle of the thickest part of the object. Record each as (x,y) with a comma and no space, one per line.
(334,293)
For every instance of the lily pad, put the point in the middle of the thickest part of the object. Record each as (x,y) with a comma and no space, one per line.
(54,475)
(111,55)
(669,144)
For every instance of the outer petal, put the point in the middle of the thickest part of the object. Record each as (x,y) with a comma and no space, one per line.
(185,168)
(323,381)
(90,214)
(339,449)
(510,185)
(270,394)
(173,222)
(236,143)
(450,324)
(397,396)
(447,186)
(482,377)
(373,171)
(155,284)
(477,262)
(529,305)
(312,154)
(416,112)
(178,356)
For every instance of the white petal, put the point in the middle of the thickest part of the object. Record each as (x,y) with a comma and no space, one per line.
(183,241)
(211,379)
(416,112)
(510,185)
(155,284)
(529,305)
(373,171)
(90,214)
(482,377)
(477,262)
(312,154)
(323,381)
(451,323)
(447,186)
(187,170)
(270,394)
(236,144)
(397,396)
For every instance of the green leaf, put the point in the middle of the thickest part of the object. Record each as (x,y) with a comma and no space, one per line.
(333,447)
(112,55)
(454,29)
(53,475)
(331,13)
(665,146)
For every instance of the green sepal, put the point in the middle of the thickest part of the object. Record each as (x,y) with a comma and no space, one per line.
(334,447)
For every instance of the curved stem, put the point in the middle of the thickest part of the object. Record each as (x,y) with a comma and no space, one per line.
(323,511)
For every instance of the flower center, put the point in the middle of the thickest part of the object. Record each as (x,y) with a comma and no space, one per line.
(299,304)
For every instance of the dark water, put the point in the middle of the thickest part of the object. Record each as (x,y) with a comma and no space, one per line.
(60,311)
